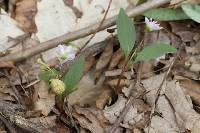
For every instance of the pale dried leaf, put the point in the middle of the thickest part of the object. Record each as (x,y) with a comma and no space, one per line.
(182,105)
(53,19)
(191,88)
(166,123)
(46,99)
(93,11)
(9,28)
(112,112)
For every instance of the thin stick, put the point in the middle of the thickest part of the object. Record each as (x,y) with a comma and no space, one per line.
(130,57)
(101,23)
(7,123)
(131,99)
(165,77)
(22,55)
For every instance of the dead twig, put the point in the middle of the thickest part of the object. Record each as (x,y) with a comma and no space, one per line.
(165,77)
(22,55)
(131,99)
(101,23)
(7,123)
(68,111)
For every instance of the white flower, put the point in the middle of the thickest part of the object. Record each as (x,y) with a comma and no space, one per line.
(152,25)
(66,53)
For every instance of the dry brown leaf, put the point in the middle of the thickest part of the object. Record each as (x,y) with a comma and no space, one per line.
(123,82)
(117,72)
(121,64)
(25,14)
(183,30)
(6,92)
(88,120)
(105,56)
(176,108)
(46,99)
(116,57)
(193,64)
(191,87)
(89,63)
(87,91)
(103,98)
(147,69)
(9,64)
(27,71)
(183,106)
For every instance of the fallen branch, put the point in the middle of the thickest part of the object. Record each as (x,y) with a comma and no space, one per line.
(19,56)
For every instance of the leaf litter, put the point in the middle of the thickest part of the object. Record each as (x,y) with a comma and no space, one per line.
(99,100)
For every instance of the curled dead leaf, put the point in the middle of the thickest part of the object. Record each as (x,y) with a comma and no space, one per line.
(25,14)
(103,98)
(116,57)
(105,56)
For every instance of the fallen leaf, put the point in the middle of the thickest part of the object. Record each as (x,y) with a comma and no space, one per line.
(53,19)
(46,99)
(191,87)
(103,98)
(87,91)
(116,57)
(105,56)
(193,63)
(112,112)
(89,64)
(88,120)
(9,64)
(123,82)
(25,14)
(9,28)
(93,11)
(6,92)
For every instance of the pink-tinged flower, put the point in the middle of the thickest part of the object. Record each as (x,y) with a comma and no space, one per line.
(152,25)
(66,53)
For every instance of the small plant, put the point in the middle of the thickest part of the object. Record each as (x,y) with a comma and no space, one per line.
(126,36)
(63,85)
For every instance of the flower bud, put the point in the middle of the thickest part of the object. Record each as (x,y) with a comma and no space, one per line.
(57,86)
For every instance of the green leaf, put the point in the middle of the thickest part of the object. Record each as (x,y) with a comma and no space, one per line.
(153,51)
(166,14)
(46,75)
(72,77)
(126,32)
(193,11)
